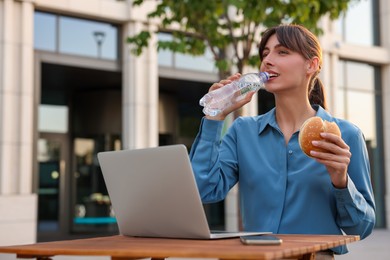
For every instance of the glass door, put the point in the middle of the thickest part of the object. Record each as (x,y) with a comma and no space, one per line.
(92,206)
(52,202)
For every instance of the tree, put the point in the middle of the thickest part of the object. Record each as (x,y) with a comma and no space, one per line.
(230,29)
(230,26)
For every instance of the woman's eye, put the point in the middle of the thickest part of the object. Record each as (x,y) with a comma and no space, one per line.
(283,52)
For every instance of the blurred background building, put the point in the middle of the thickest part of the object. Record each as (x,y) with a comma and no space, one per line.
(69,88)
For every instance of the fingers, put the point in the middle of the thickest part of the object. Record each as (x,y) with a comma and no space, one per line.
(224,82)
(335,150)
(236,101)
(332,143)
(216,86)
(334,139)
(234,76)
(233,107)
(335,146)
(330,159)
(240,103)
(337,167)
(336,158)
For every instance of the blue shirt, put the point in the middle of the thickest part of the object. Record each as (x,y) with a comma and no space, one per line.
(280,188)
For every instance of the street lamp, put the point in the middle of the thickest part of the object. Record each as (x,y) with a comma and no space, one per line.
(99,38)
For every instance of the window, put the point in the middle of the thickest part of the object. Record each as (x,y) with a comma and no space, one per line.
(360,23)
(53,119)
(358,100)
(75,36)
(168,58)
(45,31)
(356,96)
(165,57)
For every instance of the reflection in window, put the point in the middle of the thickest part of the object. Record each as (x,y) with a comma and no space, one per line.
(45,31)
(356,95)
(165,57)
(184,61)
(88,38)
(49,156)
(92,205)
(361,111)
(75,36)
(365,79)
(200,63)
(53,119)
(357,26)
(358,100)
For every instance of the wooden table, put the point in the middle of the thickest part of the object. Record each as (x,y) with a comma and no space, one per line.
(125,248)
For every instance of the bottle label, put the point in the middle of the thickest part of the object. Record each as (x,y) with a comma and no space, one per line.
(249,87)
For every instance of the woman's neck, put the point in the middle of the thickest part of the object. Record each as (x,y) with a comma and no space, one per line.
(291,114)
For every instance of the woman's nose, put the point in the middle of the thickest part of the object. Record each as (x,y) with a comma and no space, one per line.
(268,60)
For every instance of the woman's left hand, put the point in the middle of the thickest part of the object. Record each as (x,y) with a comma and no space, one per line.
(336,159)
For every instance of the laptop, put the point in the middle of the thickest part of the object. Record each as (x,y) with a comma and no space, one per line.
(154,194)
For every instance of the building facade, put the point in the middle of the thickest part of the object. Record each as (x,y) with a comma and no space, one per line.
(69,88)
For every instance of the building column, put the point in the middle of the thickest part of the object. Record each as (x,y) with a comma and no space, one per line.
(18,205)
(385,42)
(140,92)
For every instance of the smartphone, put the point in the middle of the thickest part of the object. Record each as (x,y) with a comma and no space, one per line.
(261,240)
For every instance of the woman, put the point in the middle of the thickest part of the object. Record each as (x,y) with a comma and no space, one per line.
(281,189)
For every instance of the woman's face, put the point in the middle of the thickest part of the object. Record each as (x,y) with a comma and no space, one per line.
(288,69)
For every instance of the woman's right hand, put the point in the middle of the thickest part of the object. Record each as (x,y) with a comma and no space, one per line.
(235,105)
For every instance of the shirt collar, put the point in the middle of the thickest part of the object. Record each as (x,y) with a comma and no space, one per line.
(269,118)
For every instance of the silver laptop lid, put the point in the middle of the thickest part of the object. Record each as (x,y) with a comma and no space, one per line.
(153,192)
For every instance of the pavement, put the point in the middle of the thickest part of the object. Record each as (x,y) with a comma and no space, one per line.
(374,247)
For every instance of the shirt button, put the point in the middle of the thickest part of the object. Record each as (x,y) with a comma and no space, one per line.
(290,152)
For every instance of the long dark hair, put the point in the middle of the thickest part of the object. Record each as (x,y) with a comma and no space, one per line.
(299,39)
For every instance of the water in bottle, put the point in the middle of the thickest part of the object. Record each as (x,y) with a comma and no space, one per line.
(217,100)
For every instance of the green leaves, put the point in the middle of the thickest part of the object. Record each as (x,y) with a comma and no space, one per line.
(183,44)
(237,24)
(139,42)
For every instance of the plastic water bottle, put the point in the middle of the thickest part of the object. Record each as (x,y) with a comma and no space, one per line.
(217,100)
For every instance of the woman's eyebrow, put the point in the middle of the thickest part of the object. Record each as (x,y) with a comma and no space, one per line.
(279,45)
(265,49)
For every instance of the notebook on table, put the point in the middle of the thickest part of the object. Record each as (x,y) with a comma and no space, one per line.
(154,194)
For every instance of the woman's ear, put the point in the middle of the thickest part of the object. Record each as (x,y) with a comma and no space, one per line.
(313,65)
